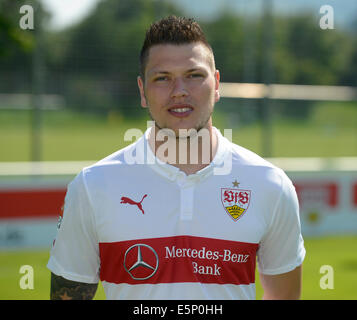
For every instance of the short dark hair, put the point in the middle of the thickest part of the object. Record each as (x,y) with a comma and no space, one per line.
(171,30)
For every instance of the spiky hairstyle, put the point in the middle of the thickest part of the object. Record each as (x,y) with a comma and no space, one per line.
(171,30)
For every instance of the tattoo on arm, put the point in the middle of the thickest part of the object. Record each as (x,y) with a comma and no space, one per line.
(63,289)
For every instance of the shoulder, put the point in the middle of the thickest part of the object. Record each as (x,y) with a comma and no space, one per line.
(117,164)
(266,177)
(119,160)
(258,173)
(249,161)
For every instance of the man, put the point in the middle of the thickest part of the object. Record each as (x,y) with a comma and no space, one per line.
(152,222)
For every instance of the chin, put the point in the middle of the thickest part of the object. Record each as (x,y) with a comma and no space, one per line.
(173,130)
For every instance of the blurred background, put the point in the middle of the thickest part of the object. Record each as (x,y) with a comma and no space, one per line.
(68,93)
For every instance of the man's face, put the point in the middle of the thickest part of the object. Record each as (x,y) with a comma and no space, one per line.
(180,87)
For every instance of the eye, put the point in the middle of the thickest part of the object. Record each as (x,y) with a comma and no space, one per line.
(161,78)
(195,75)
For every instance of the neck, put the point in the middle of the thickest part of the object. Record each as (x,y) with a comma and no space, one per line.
(189,153)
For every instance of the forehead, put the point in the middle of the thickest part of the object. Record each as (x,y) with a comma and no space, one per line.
(170,57)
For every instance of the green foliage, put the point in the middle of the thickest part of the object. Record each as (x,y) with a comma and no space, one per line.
(17,45)
(306,54)
(12,39)
(102,54)
(95,63)
(226,38)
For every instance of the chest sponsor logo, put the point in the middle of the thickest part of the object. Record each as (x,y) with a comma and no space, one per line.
(141,261)
(235,202)
(178,259)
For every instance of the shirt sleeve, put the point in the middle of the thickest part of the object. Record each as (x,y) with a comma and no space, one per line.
(75,253)
(282,247)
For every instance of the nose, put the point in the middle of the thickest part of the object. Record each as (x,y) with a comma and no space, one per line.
(179,88)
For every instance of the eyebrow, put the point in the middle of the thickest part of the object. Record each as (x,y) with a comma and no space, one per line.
(152,73)
(195,70)
(158,72)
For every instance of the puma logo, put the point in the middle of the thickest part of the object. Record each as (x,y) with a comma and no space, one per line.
(132,202)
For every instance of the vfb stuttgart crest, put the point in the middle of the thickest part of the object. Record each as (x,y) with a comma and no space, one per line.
(235,201)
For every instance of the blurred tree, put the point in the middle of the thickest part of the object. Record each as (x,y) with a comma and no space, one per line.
(348,76)
(101,55)
(16,46)
(94,64)
(306,54)
(225,35)
(303,53)
(11,36)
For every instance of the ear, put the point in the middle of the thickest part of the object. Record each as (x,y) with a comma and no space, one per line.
(217,95)
(142,92)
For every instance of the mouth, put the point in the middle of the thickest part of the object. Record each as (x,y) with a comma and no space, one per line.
(180,111)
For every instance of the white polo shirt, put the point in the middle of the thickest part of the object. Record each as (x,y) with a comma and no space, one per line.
(149,231)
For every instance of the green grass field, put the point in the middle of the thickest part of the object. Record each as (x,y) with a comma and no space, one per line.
(338,252)
(330,131)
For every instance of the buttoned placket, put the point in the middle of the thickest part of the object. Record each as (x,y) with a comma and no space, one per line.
(186,184)
(187,189)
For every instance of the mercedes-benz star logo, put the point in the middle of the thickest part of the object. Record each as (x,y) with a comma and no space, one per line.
(140,262)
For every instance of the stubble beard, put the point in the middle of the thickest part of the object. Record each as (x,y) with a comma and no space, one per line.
(196,141)
(191,132)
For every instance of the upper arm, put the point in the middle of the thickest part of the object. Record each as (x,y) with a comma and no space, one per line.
(75,252)
(285,286)
(281,249)
(63,289)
